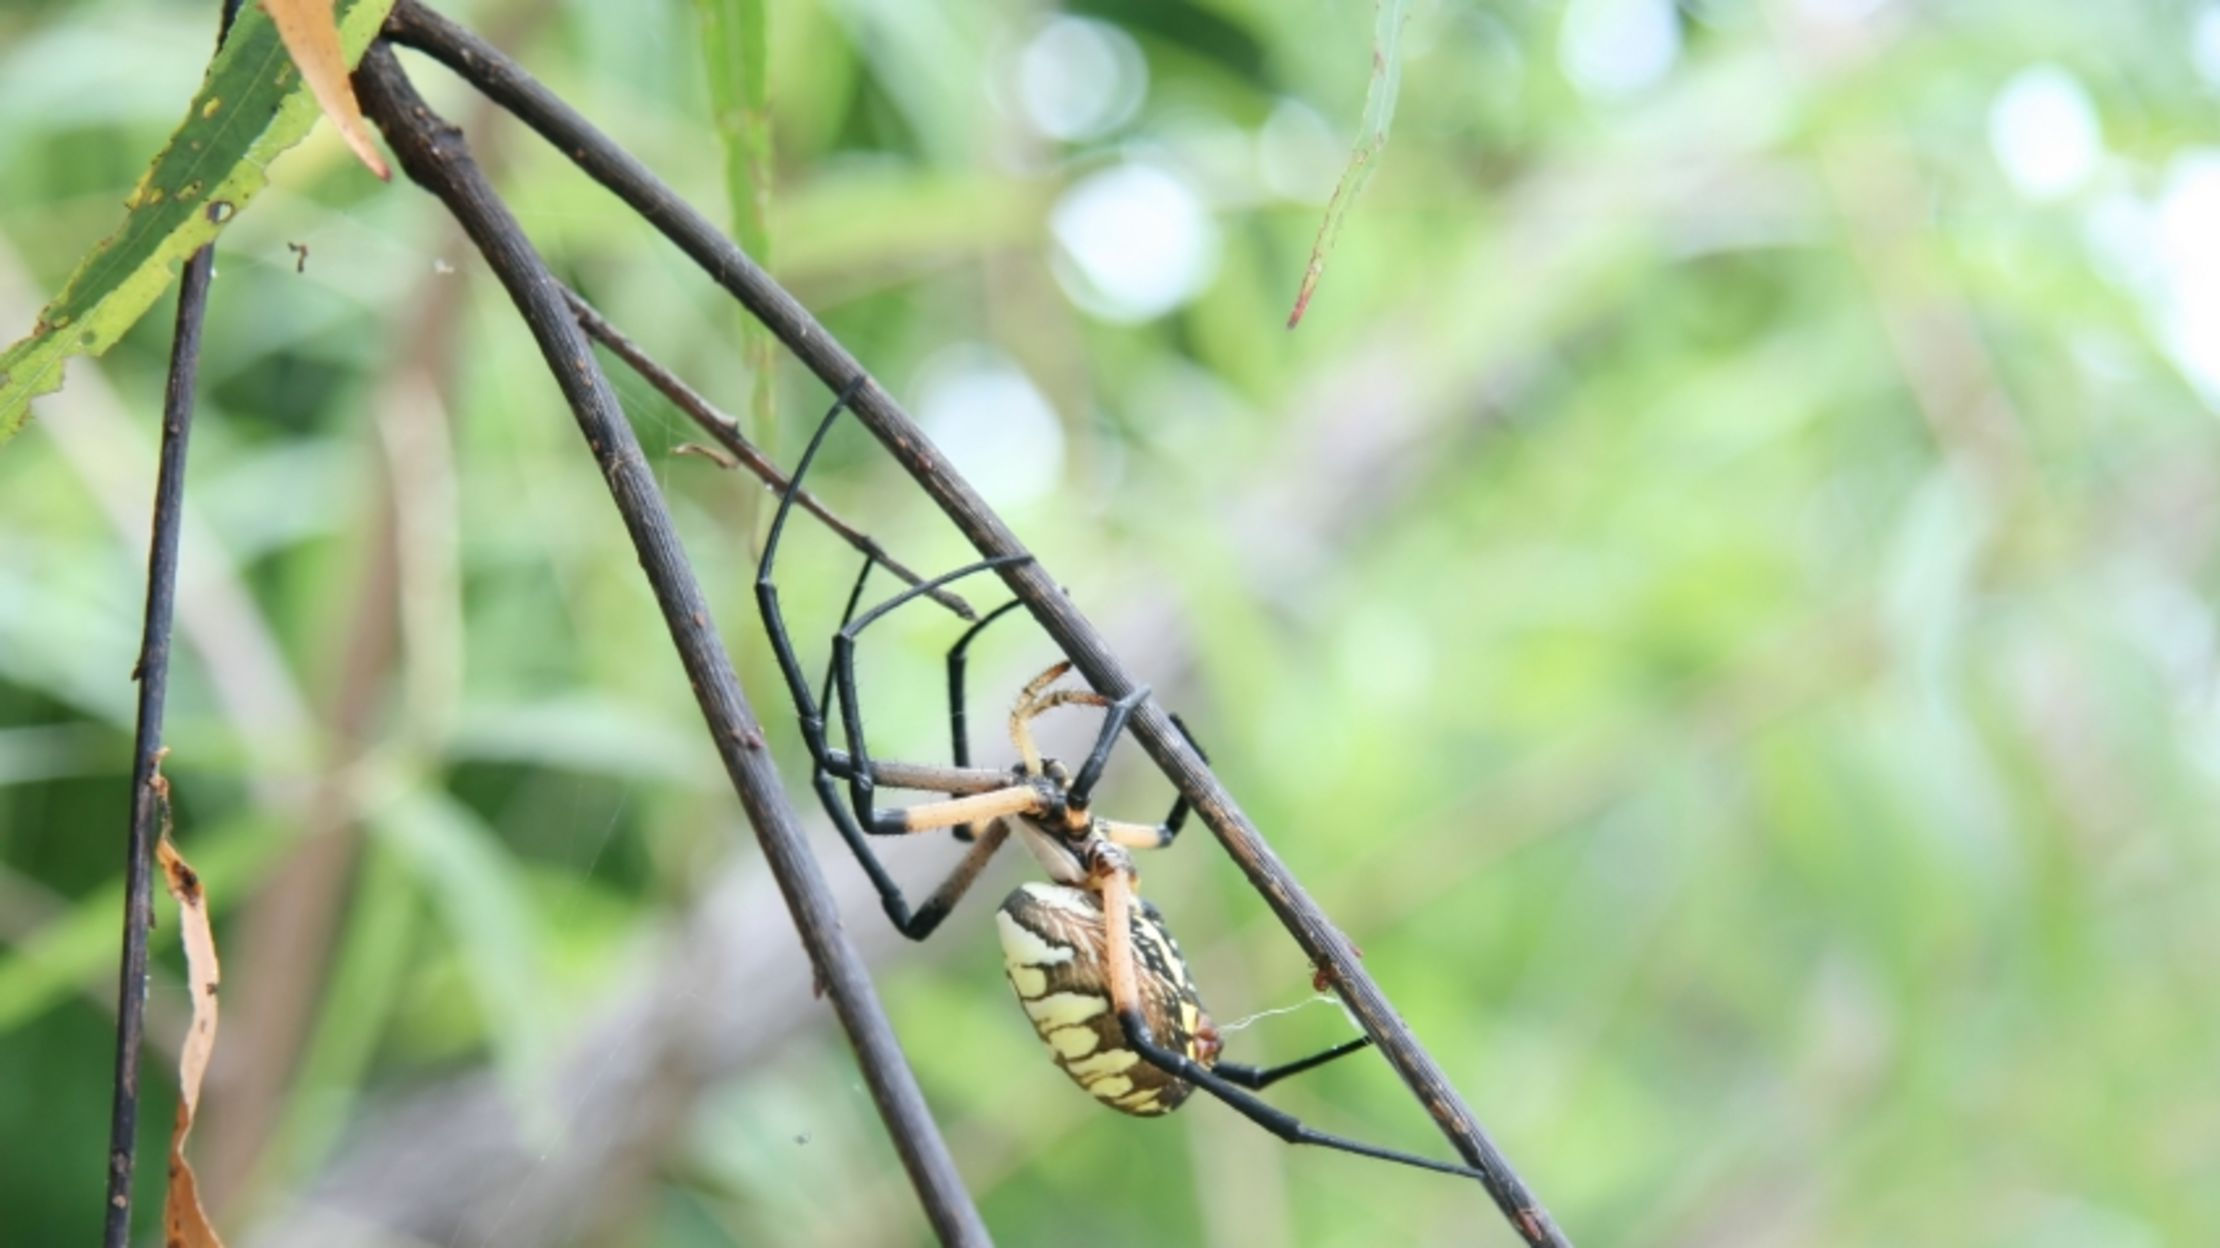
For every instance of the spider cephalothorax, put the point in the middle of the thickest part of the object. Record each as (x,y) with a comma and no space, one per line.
(1093,965)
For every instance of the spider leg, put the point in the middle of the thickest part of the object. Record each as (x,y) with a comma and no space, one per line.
(1168,831)
(959,733)
(1030,703)
(1266,1076)
(847,613)
(959,779)
(1113,722)
(1129,835)
(917,923)
(1155,836)
(856,764)
(1135,835)
(1117,907)
(811,713)
(829,765)
(958,655)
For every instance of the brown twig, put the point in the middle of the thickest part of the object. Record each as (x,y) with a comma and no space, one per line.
(435,156)
(153,675)
(726,431)
(501,79)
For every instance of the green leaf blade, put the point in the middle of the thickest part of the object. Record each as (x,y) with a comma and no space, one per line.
(251,107)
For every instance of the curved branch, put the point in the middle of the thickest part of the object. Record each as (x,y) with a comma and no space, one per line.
(617,170)
(435,156)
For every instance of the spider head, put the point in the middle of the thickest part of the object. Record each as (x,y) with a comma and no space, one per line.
(1066,812)
(1059,809)
(1060,853)
(1063,836)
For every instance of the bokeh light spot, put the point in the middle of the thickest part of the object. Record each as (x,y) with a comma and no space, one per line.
(984,413)
(2043,129)
(1133,242)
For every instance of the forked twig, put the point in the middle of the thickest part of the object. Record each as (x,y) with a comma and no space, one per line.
(726,431)
(434,155)
(507,84)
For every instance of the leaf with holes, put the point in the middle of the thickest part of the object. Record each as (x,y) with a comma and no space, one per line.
(251,106)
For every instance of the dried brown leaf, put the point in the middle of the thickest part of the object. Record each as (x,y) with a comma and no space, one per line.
(185,1224)
(310,31)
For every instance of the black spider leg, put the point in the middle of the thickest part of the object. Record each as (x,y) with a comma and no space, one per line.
(847,613)
(827,764)
(959,732)
(916,925)
(1275,1120)
(1265,1076)
(811,713)
(920,922)
(1081,791)
(857,762)
(1168,830)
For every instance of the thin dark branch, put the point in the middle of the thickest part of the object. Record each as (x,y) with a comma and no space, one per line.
(726,431)
(435,156)
(507,84)
(153,675)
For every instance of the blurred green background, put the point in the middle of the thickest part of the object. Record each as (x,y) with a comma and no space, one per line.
(1715,598)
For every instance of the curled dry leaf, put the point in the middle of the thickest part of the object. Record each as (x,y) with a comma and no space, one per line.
(310,31)
(185,1224)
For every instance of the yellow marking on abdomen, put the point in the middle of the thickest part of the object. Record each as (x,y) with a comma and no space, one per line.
(1107,1062)
(1022,946)
(1073,1041)
(1063,1009)
(1111,1087)
(1142,1102)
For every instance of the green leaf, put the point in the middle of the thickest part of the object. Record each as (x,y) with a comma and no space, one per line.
(1379,113)
(251,107)
(477,889)
(736,55)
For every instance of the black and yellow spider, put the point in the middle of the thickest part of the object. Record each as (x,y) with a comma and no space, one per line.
(1094,966)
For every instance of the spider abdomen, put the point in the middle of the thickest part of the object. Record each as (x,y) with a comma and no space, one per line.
(1052,951)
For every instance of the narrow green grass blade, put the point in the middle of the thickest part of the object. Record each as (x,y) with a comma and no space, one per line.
(251,107)
(736,56)
(1379,114)
(477,889)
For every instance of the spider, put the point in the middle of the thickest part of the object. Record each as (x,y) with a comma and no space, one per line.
(1093,965)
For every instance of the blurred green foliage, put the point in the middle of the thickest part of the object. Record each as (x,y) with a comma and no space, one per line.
(1716,598)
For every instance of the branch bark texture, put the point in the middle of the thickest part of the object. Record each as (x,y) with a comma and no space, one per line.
(435,157)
